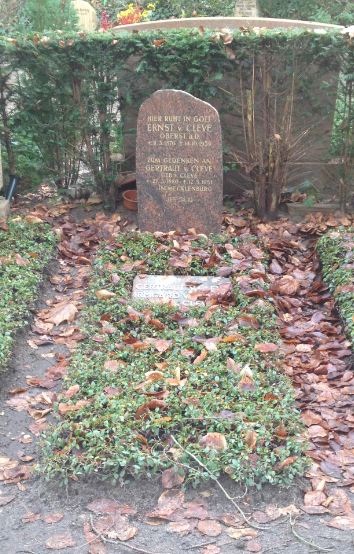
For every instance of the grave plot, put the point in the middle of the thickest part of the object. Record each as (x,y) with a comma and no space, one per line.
(165,384)
(26,246)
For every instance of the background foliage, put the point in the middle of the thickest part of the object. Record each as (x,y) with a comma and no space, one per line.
(338,11)
(74,93)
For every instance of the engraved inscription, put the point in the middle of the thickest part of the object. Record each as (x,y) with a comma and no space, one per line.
(178,289)
(179,164)
(246,8)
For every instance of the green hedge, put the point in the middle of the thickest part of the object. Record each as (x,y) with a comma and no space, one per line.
(336,251)
(25,249)
(71,88)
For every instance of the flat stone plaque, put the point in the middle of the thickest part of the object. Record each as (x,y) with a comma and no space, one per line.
(179,169)
(185,290)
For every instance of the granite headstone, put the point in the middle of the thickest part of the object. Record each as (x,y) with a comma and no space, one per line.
(179,169)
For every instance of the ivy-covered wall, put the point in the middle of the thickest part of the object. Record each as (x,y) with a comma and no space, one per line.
(76,95)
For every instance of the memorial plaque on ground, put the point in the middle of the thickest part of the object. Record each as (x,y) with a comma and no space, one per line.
(246,8)
(184,290)
(179,170)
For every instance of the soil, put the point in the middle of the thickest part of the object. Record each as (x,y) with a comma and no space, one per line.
(37,496)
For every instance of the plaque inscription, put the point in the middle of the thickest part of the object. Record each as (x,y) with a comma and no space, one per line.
(184,290)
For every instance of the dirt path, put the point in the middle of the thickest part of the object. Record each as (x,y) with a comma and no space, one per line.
(42,512)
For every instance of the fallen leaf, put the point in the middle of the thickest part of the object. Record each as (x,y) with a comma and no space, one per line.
(94,543)
(266,347)
(60,541)
(209,527)
(172,477)
(115,526)
(103,506)
(30,517)
(144,410)
(214,441)
(253,546)
(183,527)
(238,533)
(314,498)
(287,285)
(251,439)
(71,391)
(345,523)
(169,501)
(62,312)
(104,294)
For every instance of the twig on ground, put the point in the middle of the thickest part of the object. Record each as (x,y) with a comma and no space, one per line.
(200,545)
(277,546)
(240,511)
(305,541)
(121,543)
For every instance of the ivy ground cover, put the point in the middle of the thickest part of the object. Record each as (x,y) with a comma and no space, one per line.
(336,250)
(25,249)
(152,384)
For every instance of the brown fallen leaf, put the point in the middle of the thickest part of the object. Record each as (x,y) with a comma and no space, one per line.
(251,439)
(104,294)
(62,312)
(215,441)
(105,506)
(111,365)
(71,391)
(67,408)
(60,541)
(94,543)
(183,527)
(19,403)
(253,546)
(287,285)
(345,523)
(169,501)
(172,477)
(209,527)
(144,410)
(30,517)
(266,347)
(314,498)
(115,526)
(238,533)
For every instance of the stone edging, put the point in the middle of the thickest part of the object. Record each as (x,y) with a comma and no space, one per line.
(227,22)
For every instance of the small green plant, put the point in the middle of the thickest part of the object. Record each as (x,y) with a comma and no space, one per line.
(336,251)
(24,251)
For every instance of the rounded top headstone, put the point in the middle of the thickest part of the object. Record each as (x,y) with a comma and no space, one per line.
(179,169)
(87,15)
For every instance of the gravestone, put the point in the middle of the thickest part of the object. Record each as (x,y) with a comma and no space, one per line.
(246,8)
(86,14)
(186,290)
(179,169)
